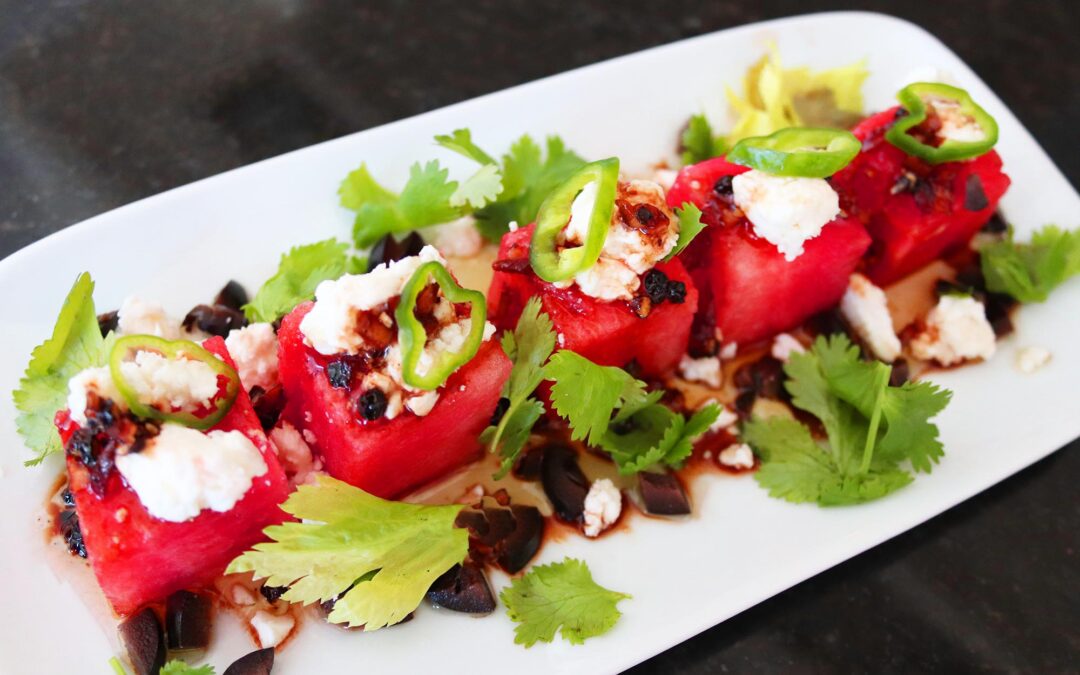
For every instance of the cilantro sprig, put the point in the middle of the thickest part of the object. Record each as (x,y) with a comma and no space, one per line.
(873,429)
(560,597)
(380,557)
(299,272)
(76,343)
(1029,272)
(528,347)
(698,141)
(690,226)
(605,406)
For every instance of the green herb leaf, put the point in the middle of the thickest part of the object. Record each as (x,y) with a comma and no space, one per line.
(587,395)
(690,226)
(481,188)
(76,344)
(528,347)
(461,142)
(424,201)
(299,272)
(560,597)
(1029,272)
(699,143)
(178,667)
(871,429)
(383,556)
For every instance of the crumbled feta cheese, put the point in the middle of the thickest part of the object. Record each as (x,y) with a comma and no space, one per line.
(956,125)
(458,238)
(139,317)
(628,251)
(956,330)
(98,380)
(293,451)
(271,629)
(705,370)
(241,596)
(513,226)
(421,404)
(183,384)
(182,471)
(785,211)
(866,308)
(254,348)
(784,345)
(728,351)
(1030,359)
(725,419)
(603,504)
(738,456)
(330,326)
(665,178)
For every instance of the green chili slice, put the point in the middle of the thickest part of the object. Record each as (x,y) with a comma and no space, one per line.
(552,264)
(914,99)
(128,346)
(412,337)
(801,152)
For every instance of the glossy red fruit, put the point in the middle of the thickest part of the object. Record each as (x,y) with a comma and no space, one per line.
(607,333)
(914,211)
(749,290)
(388,457)
(139,559)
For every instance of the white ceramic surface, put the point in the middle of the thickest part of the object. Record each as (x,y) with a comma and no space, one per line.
(740,547)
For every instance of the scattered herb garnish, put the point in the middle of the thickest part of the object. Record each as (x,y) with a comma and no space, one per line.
(1028,272)
(608,408)
(377,558)
(299,272)
(872,429)
(528,347)
(527,178)
(560,597)
(76,344)
(699,143)
(690,226)
(178,667)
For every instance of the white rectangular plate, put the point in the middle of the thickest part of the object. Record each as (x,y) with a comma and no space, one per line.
(740,548)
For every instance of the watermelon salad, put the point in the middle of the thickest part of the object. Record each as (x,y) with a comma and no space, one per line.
(548,343)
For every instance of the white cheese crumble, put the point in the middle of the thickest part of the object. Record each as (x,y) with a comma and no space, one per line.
(182,471)
(140,317)
(293,451)
(738,456)
(458,238)
(330,326)
(628,252)
(705,370)
(784,345)
(271,629)
(956,125)
(665,178)
(97,380)
(728,351)
(603,504)
(725,419)
(865,307)
(170,383)
(1031,359)
(785,211)
(254,348)
(241,596)
(956,330)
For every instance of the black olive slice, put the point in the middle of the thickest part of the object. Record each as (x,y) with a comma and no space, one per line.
(232,296)
(663,494)
(974,194)
(259,662)
(564,483)
(463,588)
(522,544)
(214,319)
(388,249)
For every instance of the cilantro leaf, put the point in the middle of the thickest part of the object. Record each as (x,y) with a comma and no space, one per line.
(587,394)
(871,428)
(479,189)
(379,556)
(75,344)
(461,142)
(690,226)
(560,597)
(1028,272)
(425,200)
(699,143)
(528,347)
(299,272)
(178,667)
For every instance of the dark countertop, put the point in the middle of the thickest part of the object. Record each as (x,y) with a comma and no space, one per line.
(103,103)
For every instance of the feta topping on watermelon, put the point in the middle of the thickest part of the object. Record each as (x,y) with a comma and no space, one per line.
(956,125)
(866,308)
(330,326)
(140,317)
(956,330)
(254,348)
(785,211)
(177,383)
(97,380)
(182,471)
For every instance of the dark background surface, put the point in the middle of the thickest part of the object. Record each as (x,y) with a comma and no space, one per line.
(103,103)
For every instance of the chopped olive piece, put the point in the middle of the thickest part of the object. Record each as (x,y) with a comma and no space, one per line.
(144,641)
(259,662)
(108,322)
(500,409)
(268,404)
(214,319)
(663,494)
(388,249)
(463,588)
(564,483)
(232,296)
(521,545)
(188,620)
